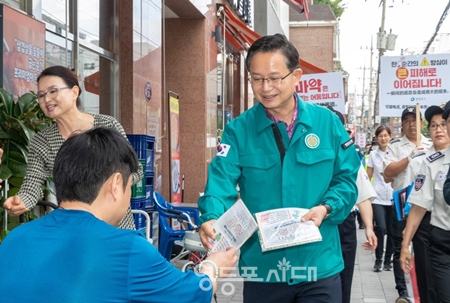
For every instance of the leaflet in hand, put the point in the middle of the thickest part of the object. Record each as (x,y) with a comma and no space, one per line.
(282,227)
(234,227)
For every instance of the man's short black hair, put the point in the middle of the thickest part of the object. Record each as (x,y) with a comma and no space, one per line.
(86,160)
(273,43)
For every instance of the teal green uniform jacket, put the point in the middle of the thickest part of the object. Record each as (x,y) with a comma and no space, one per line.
(318,167)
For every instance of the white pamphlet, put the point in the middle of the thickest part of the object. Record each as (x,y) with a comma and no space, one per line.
(282,227)
(234,227)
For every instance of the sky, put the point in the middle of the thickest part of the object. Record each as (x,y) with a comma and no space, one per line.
(414,21)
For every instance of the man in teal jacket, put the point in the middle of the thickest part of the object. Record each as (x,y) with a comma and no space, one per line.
(311,166)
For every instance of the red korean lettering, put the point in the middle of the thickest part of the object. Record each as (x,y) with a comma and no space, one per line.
(315,84)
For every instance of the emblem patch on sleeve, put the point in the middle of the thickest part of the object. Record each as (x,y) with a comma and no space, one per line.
(223,149)
(435,156)
(420,180)
(347,144)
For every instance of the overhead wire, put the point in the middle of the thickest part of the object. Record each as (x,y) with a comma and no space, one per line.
(438,27)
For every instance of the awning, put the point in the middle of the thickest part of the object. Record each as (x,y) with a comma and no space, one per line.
(299,5)
(309,68)
(239,31)
(242,37)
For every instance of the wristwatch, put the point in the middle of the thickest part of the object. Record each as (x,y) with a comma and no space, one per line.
(328,208)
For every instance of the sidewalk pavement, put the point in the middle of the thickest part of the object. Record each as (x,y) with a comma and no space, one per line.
(368,286)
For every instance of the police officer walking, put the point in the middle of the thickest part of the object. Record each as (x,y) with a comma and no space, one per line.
(428,195)
(398,155)
(441,140)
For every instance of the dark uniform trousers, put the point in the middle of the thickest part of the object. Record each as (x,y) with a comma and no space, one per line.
(425,280)
(397,229)
(382,215)
(439,250)
(347,233)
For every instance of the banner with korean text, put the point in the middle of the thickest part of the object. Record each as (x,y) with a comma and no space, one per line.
(23,51)
(323,89)
(407,80)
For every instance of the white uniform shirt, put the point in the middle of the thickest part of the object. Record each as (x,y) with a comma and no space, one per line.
(365,188)
(427,191)
(397,150)
(414,165)
(383,189)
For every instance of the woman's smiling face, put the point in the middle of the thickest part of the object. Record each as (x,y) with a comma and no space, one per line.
(55,97)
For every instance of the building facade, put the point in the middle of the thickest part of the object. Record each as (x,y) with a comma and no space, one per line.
(132,55)
(316,38)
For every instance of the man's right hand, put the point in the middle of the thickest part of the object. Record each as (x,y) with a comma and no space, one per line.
(415,151)
(15,206)
(206,233)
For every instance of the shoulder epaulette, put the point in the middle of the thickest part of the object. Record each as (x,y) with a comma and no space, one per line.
(395,141)
(435,156)
(418,155)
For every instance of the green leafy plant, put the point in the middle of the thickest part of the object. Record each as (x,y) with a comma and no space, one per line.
(337,6)
(20,120)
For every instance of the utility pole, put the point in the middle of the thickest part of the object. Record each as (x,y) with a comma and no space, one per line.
(380,53)
(362,97)
(369,120)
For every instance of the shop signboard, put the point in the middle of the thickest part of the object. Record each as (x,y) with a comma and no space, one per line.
(23,51)
(407,80)
(174,127)
(323,89)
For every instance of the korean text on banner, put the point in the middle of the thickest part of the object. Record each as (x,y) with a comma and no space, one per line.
(323,89)
(407,80)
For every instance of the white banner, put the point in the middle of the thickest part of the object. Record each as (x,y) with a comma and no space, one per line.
(323,89)
(361,139)
(407,80)
(352,127)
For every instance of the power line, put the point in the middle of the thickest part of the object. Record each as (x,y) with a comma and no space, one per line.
(438,27)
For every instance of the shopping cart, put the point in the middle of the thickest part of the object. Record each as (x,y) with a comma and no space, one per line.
(188,235)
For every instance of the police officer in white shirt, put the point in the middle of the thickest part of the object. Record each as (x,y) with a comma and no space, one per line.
(382,205)
(398,156)
(427,195)
(347,229)
(441,140)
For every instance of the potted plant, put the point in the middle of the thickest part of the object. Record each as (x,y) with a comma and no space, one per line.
(20,120)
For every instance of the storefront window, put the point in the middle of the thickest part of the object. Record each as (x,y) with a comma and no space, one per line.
(151,23)
(89,77)
(89,20)
(54,13)
(57,55)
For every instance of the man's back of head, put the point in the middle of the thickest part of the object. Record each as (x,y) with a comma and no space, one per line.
(86,160)
(74,247)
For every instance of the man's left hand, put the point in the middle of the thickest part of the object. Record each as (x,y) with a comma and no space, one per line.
(316,214)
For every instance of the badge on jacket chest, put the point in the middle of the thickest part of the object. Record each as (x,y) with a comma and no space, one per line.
(312,141)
